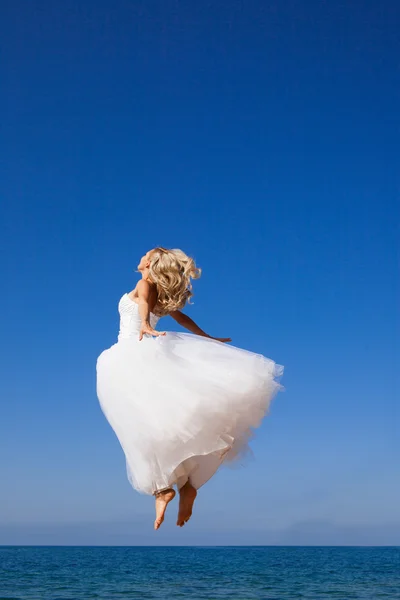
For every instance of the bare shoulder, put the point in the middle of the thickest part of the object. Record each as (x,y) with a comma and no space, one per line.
(143,286)
(146,290)
(133,294)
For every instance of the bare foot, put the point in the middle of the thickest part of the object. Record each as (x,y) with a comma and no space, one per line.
(162,501)
(187,497)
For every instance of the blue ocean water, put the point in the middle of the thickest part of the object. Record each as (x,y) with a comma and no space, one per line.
(242,573)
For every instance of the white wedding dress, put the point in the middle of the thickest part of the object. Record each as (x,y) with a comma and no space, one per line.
(180,404)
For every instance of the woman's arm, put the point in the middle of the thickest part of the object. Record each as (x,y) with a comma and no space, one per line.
(146,301)
(190,325)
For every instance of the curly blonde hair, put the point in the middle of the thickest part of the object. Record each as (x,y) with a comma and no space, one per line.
(172,272)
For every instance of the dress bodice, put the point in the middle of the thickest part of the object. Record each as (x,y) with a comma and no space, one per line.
(130,320)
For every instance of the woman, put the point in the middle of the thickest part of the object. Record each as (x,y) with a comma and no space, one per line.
(179,404)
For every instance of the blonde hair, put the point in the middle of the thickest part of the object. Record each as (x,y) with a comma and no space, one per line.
(172,272)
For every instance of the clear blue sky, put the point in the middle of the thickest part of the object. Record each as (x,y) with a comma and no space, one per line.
(262,138)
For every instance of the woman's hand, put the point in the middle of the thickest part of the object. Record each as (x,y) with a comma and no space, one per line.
(146,329)
(223,340)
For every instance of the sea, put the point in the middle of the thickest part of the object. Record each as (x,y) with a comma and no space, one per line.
(200,573)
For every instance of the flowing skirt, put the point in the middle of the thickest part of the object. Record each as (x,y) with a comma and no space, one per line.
(182,404)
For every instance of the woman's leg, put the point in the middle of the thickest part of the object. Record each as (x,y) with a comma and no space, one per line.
(163,498)
(187,496)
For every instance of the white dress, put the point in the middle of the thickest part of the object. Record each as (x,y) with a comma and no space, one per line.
(180,404)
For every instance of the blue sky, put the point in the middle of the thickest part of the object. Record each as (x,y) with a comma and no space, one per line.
(260,137)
